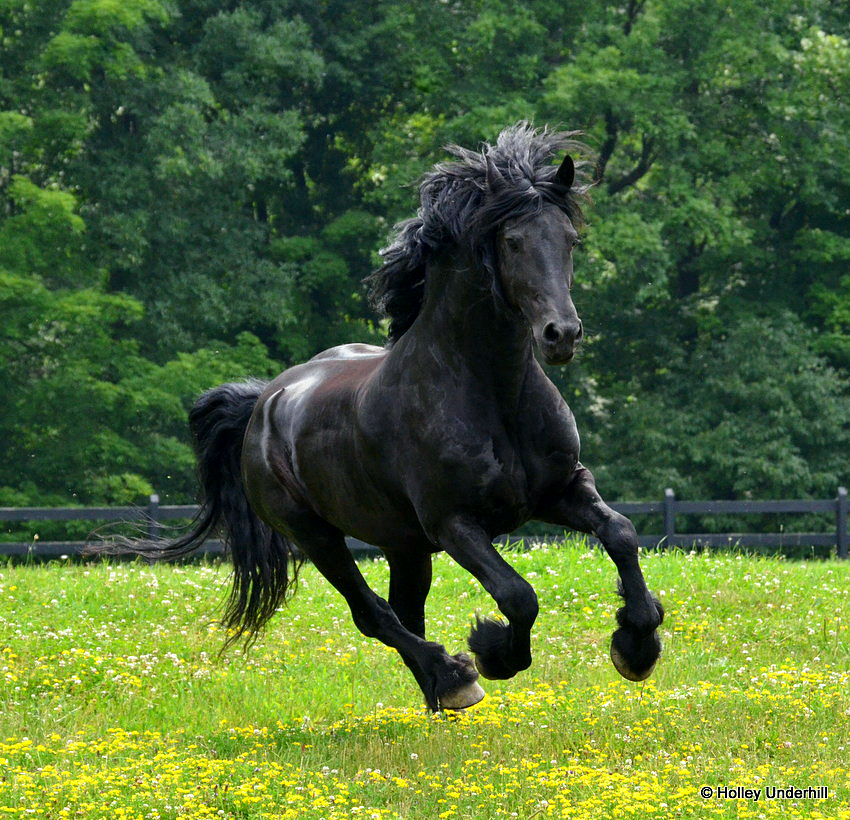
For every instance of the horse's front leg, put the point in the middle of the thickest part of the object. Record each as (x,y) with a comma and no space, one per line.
(501,649)
(635,646)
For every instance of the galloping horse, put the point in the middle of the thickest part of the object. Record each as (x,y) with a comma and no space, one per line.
(447,437)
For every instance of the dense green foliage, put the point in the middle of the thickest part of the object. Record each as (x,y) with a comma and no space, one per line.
(193,191)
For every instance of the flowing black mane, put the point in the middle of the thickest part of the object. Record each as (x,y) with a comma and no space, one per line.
(465,202)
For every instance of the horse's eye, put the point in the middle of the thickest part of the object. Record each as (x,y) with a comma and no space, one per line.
(576,243)
(513,244)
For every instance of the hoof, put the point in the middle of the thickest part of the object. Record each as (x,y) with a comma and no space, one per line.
(464,696)
(490,642)
(623,668)
(500,672)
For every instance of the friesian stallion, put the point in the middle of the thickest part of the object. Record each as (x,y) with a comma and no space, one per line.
(445,438)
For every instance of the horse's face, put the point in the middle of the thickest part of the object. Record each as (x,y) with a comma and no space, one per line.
(536,269)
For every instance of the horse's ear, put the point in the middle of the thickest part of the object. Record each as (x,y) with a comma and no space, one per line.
(495,180)
(566,172)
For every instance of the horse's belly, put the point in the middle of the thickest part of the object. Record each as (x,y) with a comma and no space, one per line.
(345,495)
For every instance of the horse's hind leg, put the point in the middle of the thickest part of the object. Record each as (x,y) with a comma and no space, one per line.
(635,646)
(446,681)
(410,581)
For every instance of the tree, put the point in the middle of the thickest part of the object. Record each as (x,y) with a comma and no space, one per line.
(80,421)
(722,163)
(86,416)
(189,190)
(733,429)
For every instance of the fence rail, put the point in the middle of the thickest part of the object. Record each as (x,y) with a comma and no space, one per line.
(155,514)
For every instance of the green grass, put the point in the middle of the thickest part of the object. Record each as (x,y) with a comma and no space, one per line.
(114,701)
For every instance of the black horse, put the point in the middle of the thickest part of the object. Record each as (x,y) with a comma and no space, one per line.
(447,437)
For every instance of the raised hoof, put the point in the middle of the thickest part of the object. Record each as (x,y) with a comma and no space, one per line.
(623,668)
(490,642)
(463,697)
(500,673)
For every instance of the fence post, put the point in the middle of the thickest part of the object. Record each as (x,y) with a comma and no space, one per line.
(841,539)
(153,517)
(669,518)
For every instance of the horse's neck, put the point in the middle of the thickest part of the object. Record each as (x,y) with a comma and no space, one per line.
(465,325)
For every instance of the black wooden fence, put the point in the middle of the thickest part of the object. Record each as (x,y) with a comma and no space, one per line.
(153,516)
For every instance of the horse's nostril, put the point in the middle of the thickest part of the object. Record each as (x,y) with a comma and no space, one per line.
(551,333)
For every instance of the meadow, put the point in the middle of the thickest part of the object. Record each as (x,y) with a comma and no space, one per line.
(114,701)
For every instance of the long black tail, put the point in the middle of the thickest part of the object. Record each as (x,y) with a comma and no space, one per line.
(265,563)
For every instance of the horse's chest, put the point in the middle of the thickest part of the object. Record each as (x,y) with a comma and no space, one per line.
(486,473)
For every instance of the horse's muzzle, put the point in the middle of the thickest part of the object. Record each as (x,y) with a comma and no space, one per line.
(558,340)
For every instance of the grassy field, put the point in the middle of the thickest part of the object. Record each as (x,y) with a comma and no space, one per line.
(115,704)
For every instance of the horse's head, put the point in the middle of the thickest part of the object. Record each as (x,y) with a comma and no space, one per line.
(536,271)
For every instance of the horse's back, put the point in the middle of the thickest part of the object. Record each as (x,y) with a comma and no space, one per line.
(320,393)
(339,370)
(348,352)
